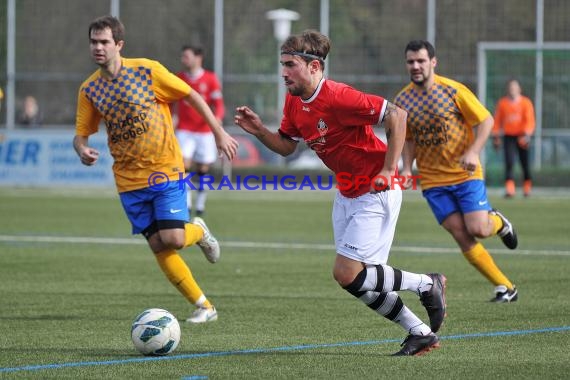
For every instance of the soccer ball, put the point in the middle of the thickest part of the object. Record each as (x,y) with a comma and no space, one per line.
(155,332)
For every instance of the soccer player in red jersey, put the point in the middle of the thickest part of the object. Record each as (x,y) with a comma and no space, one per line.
(336,121)
(194,135)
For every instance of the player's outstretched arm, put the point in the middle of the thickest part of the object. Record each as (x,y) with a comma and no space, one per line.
(408,157)
(225,143)
(87,155)
(395,123)
(470,159)
(250,122)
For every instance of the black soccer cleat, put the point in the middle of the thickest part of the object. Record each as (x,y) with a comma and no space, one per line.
(507,233)
(417,345)
(434,301)
(504,295)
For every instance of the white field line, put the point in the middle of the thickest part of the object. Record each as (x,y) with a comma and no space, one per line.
(256,245)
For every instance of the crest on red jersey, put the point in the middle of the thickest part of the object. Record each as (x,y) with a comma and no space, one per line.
(322,127)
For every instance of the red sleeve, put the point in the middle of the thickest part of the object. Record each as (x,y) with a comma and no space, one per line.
(216,97)
(287,128)
(353,107)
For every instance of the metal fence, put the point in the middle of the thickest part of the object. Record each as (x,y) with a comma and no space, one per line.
(46,47)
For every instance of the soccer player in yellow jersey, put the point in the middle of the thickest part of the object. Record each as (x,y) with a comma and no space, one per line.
(442,118)
(131,97)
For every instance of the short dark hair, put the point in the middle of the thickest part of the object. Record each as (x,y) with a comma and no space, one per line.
(417,45)
(113,23)
(196,49)
(311,43)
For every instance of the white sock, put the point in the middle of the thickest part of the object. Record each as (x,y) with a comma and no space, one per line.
(200,302)
(415,282)
(201,200)
(425,284)
(189,199)
(411,323)
(390,306)
(389,276)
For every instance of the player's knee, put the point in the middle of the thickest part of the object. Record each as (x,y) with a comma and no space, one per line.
(202,170)
(174,241)
(343,277)
(478,231)
(177,243)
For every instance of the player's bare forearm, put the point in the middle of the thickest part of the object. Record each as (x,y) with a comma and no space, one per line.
(225,143)
(278,143)
(408,156)
(87,155)
(250,122)
(79,143)
(200,105)
(470,159)
(483,132)
(395,123)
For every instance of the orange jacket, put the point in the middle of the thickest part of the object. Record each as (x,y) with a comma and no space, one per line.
(514,118)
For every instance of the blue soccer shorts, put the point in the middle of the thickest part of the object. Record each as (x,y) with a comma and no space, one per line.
(465,197)
(156,208)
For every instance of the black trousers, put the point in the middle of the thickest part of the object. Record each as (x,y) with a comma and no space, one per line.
(512,148)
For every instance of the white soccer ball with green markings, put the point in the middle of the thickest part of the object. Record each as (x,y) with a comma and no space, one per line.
(155,332)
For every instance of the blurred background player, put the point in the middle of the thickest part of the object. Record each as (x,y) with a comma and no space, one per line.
(442,117)
(30,115)
(131,96)
(514,120)
(195,136)
(336,121)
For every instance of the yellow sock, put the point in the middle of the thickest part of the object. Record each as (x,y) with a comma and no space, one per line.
(193,234)
(497,223)
(178,273)
(482,260)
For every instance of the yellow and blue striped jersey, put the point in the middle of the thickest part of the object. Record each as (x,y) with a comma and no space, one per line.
(440,122)
(134,108)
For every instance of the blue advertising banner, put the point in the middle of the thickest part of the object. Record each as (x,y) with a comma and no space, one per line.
(39,157)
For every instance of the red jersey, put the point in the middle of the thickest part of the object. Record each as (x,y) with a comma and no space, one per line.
(206,84)
(336,122)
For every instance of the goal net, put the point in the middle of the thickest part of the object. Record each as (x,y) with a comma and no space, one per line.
(544,74)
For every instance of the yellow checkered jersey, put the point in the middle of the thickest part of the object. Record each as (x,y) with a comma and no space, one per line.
(134,108)
(440,122)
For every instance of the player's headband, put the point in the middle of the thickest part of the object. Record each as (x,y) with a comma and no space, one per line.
(304,55)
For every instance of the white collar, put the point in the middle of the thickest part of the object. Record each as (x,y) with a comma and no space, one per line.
(316,93)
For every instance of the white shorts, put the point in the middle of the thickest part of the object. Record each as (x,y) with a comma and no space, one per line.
(364,227)
(199,147)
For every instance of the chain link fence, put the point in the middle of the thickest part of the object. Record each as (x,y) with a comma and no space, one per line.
(368,39)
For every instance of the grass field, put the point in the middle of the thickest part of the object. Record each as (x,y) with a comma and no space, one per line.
(72,279)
